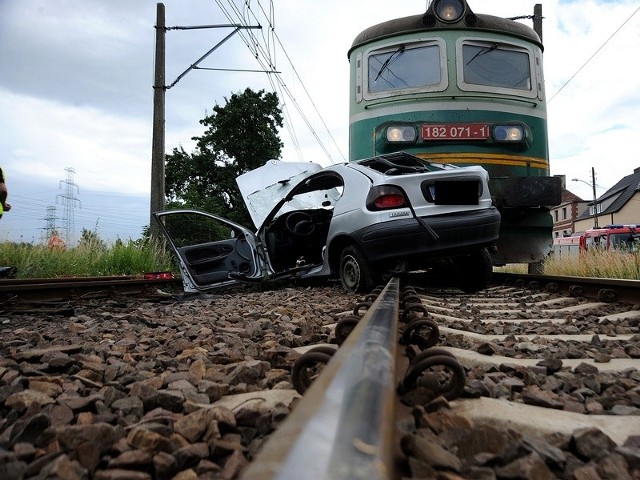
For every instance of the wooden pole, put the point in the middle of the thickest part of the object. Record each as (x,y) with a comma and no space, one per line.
(158,141)
(537,19)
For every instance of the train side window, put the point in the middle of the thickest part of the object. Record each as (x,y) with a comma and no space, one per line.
(405,69)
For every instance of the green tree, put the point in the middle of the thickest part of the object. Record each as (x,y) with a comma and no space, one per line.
(240,136)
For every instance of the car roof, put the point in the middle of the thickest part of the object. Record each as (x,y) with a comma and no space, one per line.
(400,163)
(264,187)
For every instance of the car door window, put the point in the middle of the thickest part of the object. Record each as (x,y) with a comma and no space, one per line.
(210,248)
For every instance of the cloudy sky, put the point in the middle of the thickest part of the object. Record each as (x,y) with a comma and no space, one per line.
(76,97)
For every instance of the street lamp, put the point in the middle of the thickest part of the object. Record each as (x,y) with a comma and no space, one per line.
(593,186)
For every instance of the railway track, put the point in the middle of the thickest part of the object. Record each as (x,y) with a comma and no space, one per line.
(550,387)
(52,294)
(527,358)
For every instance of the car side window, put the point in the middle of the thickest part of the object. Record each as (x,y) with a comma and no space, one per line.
(195,229)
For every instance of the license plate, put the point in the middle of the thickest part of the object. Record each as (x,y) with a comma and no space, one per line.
(460,192)
(455,131)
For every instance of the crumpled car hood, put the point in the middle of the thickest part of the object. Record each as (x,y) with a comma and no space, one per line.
(263,187)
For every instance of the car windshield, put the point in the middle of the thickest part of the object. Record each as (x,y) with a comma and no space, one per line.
(400,164)
(320,191)
(625,241)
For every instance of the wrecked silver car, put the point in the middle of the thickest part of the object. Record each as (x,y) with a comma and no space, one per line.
(357,221)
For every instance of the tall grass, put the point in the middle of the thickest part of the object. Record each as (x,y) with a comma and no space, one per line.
(593,263)
(596,263)
(94,258)
(86,260)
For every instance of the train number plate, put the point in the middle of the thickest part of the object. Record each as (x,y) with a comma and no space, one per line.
(455,131)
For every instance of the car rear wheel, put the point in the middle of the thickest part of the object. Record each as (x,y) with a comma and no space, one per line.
(474,271)
(356,274)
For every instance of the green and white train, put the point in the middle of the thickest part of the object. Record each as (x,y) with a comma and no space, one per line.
(454,87)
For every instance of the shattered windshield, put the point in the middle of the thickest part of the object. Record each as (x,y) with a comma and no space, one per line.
(400,163)
(261,202)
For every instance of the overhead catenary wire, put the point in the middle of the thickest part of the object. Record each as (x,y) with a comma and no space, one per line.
(264,53)
(295,71)
(266,68)
(593,55)
(263,56)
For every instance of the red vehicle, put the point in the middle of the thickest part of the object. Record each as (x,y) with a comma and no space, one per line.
(610,237)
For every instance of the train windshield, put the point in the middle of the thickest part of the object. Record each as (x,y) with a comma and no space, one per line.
(404,68)
(492,65)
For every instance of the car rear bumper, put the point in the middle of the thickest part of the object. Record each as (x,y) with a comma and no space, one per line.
(406,238)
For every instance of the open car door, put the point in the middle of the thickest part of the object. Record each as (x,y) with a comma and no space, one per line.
(212,251)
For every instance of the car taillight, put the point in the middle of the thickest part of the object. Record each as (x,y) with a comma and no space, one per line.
(389,201)
(386,197)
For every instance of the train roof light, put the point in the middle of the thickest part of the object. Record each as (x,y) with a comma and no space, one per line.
(449,10)
(508,133)
(401,133)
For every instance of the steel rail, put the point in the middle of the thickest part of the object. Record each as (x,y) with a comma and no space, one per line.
(66,288)
(343,426)
(602,289)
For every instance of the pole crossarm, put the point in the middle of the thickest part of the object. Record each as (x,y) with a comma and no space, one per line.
(199,27)
(193,66)
(235,70)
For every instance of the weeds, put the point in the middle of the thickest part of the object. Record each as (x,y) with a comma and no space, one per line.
(94,258)
(593,263)
(88,259)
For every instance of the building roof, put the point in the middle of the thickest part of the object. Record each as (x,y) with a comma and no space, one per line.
(569,197)
(619,194)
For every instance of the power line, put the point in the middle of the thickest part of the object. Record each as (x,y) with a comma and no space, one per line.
(594,54)
(295,71)
(266,58)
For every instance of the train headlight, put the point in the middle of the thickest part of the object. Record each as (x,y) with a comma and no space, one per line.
(401,133)
(449,10)
(508,133)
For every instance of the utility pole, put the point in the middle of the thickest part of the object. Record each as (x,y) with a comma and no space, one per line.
(157,149)
(537,19)
(595,204)
(159,90)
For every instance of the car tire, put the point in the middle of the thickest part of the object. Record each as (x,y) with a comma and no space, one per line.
(474,271)
(356,274)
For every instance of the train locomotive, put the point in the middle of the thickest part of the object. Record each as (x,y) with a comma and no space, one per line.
(454,87)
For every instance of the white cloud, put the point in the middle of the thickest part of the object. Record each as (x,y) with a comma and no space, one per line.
(108,152)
